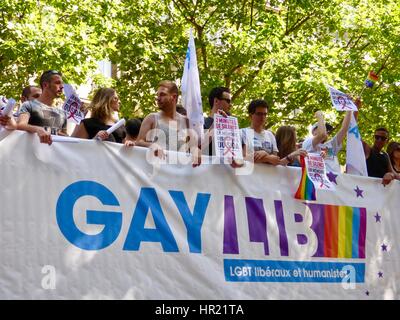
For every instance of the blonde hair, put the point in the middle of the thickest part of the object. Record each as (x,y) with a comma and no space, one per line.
(101,104)
(285,140)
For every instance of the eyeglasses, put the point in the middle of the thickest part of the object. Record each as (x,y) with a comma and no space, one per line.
(382,138)
(260,114)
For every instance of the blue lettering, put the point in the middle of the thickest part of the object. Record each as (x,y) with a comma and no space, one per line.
(137,233)
(112,221)
(193,222)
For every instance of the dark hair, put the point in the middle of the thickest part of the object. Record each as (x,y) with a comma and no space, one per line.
(46,76)
(27,91)
(382,129)
(132,127)
(257,103)
(216,93)
(180,109)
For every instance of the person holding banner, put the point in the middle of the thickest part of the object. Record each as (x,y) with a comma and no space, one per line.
(259,144)
(286,143)
(39,115)
(105,102)
(318,143)
(219,99)
(168,129)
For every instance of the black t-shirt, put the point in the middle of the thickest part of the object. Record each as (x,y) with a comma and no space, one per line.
(377,164)
(93,126)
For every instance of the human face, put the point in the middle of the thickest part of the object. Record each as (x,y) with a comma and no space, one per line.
(115,102)
(35,93)
(55,86)
(259,117)
(381,137)
(225,102)
(165,99)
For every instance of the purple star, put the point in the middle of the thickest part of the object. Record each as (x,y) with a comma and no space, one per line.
(332,177)
(367,293)
(380,274)
(377,217)
(359,192)
(384,247)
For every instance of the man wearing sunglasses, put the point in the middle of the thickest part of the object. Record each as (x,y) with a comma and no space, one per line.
(39,115)
(219,99)
(378,163)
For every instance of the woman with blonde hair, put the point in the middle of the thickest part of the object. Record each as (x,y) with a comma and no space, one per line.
(286,143)
(102,108)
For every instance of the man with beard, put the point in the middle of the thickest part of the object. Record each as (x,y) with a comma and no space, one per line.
(166,129)
(39,115)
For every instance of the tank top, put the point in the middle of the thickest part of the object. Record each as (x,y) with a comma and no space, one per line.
(170,134)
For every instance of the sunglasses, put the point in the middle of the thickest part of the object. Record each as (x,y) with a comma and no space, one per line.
(382,138)
(227,100)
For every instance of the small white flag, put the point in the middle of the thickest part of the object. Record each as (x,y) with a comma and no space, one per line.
(355,158)
(73,105)
(191,94)
(341,101)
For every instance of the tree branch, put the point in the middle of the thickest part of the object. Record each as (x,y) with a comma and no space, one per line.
(251,79)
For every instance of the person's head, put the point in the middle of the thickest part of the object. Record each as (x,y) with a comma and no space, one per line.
(220,99)
(328,128)
(167,95)
(52,83)
(381,137)
(393,150)
(285,140)
(30,93)
(132,128)
(104,103)
(180,109)
(258,111)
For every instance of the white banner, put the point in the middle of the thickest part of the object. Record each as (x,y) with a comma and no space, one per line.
(341,101)
(227,141)
(91,220)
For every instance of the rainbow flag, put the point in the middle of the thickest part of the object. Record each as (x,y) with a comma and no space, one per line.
(371,79)
(341,231)
(306,190)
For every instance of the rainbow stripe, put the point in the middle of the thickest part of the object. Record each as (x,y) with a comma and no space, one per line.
(371,79)
(306,190)
(340,231)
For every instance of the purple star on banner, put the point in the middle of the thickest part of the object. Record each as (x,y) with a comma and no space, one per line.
(384,247)
(380,274)
(367,293)
(377,217)
(332,177)
(359,192)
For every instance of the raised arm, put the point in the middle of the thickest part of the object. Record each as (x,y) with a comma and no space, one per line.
(321,134)
(345,126)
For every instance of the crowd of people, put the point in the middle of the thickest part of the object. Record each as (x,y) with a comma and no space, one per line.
(169,128)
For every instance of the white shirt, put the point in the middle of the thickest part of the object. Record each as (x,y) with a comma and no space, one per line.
(330,147)
(261,141)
